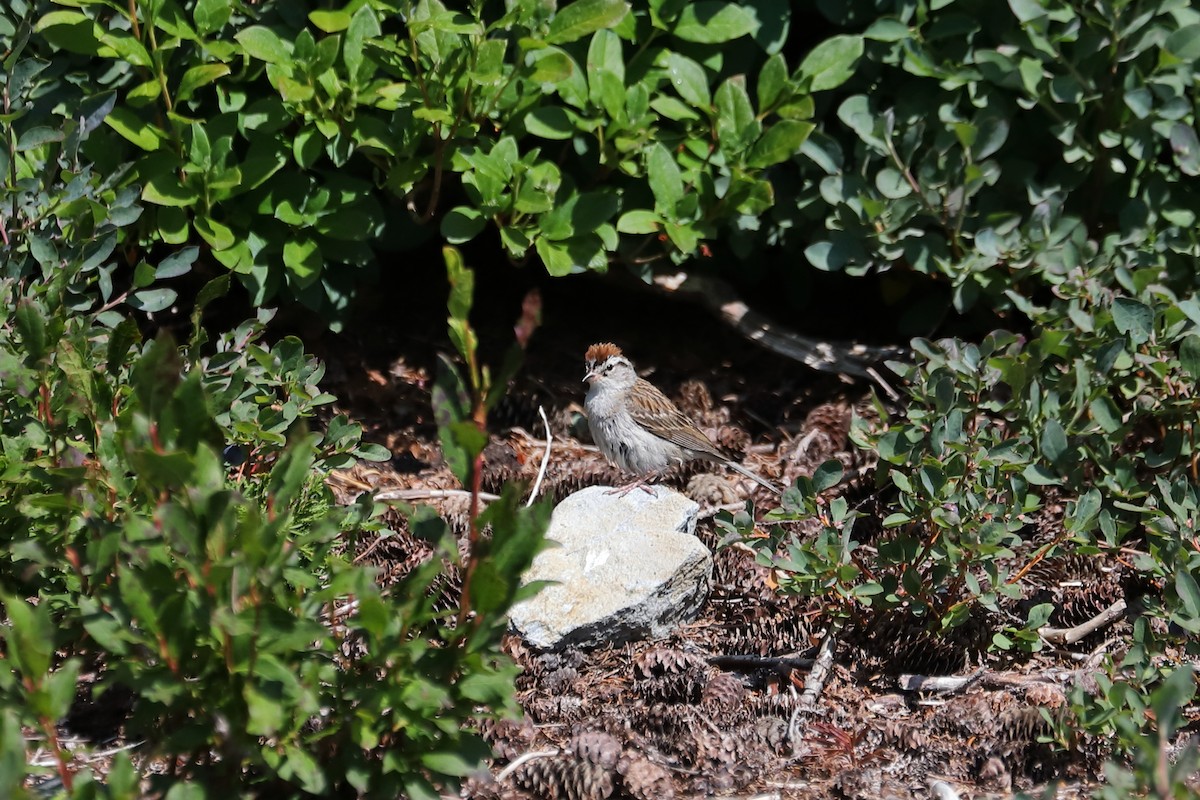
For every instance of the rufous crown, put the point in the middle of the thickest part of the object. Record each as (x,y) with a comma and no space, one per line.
(601,352)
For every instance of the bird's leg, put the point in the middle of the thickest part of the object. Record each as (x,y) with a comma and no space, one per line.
(637,483)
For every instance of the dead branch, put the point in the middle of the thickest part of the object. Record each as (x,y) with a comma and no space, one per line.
(837,357)
(431,494)
(537,484)
(522,759)
(940,684)
(1072,635)
(814,683)
(746,663)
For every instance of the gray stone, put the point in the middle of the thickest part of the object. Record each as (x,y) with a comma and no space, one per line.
(624,568)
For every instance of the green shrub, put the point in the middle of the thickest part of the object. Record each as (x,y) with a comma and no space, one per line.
(587,132)
(164,523)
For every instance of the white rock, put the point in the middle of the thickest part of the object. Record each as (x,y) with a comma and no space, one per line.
(625,568)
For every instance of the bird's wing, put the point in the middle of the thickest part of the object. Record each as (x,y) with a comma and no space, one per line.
(656,413)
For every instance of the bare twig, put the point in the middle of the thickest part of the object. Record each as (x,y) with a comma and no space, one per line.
(1072,635)
(522,759)
(941,684)
(838,357)
(814,683)
(820,669)
(749,662)
(537,484)
(370,548)
(431,494)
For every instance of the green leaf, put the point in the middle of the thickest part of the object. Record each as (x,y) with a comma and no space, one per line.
(832,62)
(60,688)
(773,83)
(1184,43)
(1185,146)
(1189,355)
(29,639)
(551,66)
(826,476)
(211,15)
(362,28)
(1189,595)
(689,79)
(71,31)
(584,17)
(556,257)
(550,122)
(709,22)
(666,181)
(1039,615)
(329,21)
(450,402)
(264,44)
(302,257)
(199,76)
(1053,441)
(462,224)
(151,301)
(737,127)
(887,29)
(462,284)
(468,756)
(126,122)
(31,327)
(1083,513)
(121,340)
(1133,318)
(639,221)
(168,190)
(780,142)
(177,264)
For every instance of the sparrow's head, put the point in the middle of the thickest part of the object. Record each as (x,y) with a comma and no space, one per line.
(606,366)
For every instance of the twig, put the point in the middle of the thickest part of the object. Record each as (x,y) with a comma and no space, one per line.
(371,548)
(814,683)
(1072,635)
(838,357)
(941,684)
(537,484)
(946,684)
(748,662)
(431,494)
(887,388)
(522,759)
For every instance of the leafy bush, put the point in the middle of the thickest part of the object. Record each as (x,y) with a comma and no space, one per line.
(165,525)
(584,132)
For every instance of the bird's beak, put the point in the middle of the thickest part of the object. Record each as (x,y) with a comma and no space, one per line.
(591,376)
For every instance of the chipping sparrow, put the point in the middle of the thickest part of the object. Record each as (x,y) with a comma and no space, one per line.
(637,427)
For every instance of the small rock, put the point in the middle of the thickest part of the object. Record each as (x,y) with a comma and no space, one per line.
(625,568)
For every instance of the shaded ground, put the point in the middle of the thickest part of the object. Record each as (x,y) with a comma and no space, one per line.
(714,710)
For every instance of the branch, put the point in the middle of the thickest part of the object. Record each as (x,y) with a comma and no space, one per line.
(837,357)
(537,484)
(1072,635)
(521,759)
(431,494)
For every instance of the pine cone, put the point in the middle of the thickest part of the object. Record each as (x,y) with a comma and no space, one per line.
(645,780)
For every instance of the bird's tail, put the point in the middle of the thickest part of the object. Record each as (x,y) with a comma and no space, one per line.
(754,476)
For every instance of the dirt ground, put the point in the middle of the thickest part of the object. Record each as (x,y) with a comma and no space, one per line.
(715,710)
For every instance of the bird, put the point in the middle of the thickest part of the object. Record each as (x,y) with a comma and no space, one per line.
(637,427)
